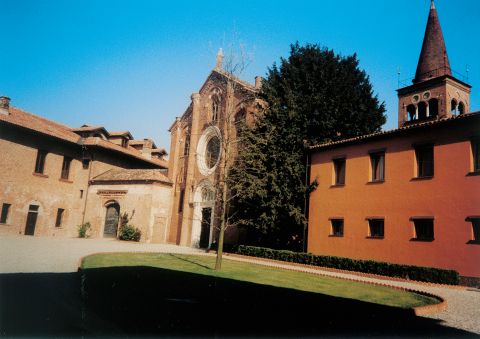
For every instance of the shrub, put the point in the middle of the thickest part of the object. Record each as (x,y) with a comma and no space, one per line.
(126,231)
(428,274)
(129,233)
(84,230)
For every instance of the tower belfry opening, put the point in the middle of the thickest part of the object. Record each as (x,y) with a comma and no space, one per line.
(435,92)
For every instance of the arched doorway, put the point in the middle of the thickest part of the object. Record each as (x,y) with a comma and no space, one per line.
(202,223)
(111,220)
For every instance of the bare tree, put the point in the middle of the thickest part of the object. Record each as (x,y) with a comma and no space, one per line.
(239,96)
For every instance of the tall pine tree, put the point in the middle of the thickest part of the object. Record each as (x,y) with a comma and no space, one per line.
(314,96)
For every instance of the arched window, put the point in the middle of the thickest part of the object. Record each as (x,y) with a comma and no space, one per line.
(411,110)
(461,108)
(186,148)
(433,107)
(216,103)
(240,116)
(453,107)
(422,110)
(215,108)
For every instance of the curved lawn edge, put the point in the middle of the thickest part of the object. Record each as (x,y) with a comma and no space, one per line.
(418,310)
(360,274)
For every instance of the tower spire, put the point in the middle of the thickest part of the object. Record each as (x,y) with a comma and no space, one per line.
(433,61)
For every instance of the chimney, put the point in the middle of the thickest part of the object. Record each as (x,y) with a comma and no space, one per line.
(258,82)
(218,65)
(147,148)
(4,105)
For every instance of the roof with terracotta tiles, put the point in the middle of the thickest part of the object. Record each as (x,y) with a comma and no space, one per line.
(98,142)
(135,175)
(38,124)
(44,126)
(396,131)
(126,134)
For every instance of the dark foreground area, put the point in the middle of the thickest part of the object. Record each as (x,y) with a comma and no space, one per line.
(144,301)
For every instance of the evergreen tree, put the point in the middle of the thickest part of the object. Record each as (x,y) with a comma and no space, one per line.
(314,96)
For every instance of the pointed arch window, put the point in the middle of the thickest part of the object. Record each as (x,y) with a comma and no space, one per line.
(461,108)
(216,104)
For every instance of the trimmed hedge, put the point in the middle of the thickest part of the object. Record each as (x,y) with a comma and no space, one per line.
(428,274)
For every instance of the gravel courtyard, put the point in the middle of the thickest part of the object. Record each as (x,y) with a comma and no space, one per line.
(24,254)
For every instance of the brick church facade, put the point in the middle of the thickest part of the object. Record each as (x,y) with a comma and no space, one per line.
(196,151)
(409,195)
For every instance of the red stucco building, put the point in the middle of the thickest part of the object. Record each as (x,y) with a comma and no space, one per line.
(409,195)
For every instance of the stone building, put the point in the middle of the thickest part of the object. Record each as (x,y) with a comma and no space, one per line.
(55,178)
(408,195)
(198,139)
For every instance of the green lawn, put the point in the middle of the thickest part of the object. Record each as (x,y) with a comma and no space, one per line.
(257,274)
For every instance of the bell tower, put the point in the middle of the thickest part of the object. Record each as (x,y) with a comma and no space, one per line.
(435,92)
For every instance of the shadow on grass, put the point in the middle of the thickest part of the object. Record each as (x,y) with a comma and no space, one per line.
(142,301)
(183,258)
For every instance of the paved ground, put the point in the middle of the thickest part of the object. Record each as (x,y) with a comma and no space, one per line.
(23,254)
(48,254)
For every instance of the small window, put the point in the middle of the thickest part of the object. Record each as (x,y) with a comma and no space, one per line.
(124,142)
(81,194)
(339,166)
(475,238)
(58,222)
(66,167)
(40,162)
(423,229)
(424,155)
(85,163)
(377,161)
(476,230)
(337,227)
(376,228)
(5,210)
(180,201)
(476,155)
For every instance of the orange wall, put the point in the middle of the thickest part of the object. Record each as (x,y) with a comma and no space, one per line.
(450,196)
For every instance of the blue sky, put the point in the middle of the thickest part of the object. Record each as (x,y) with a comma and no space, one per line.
(134,64)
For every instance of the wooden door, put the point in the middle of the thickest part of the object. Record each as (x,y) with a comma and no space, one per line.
(111,221)
(205,232)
